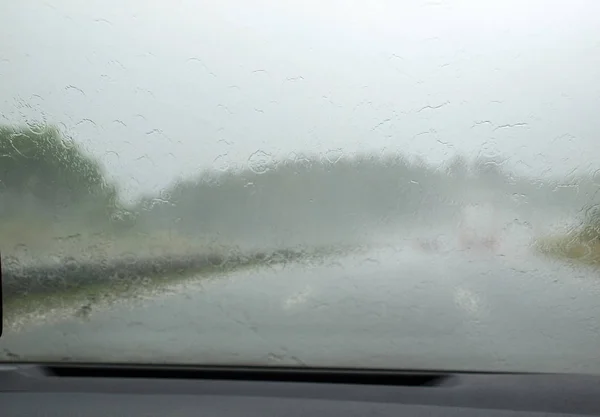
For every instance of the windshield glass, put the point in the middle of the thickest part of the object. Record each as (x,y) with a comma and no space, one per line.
(385,184)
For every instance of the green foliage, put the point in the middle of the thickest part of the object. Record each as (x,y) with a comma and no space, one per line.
(590,230)
(40,162)
(581,244)
(41,172)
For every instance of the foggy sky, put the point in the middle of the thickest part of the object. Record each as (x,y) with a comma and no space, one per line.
(163,89)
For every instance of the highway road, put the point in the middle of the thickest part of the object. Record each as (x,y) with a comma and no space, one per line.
(397,306)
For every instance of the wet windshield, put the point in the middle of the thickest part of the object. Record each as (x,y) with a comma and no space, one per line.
(388,184)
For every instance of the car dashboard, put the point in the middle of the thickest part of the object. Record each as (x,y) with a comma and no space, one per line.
(84,390)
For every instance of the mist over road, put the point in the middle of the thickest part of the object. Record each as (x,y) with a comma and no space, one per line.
(442,276)
(393,306)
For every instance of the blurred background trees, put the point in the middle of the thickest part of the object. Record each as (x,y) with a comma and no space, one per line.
(45,179)
(49,185)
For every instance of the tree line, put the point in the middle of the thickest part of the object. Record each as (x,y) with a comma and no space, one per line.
(46,176)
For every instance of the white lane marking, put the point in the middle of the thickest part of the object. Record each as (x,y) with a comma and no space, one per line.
(297,298)
(468,301)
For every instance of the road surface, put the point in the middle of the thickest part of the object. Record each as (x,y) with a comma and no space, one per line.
(394,307)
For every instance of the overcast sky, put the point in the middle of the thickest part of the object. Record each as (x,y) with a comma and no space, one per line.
(160,89)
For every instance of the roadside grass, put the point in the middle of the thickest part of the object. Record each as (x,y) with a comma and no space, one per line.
(76,300)
(570,247)
(39,292)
